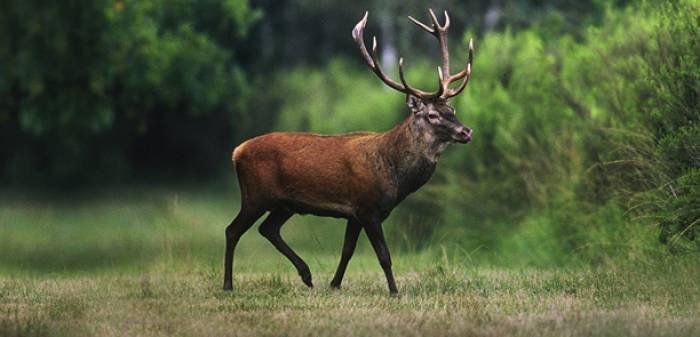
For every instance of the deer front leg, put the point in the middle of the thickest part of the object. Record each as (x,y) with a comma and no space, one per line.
(352,232)
(376,237)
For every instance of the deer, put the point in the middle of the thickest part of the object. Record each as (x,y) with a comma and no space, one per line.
(358,176)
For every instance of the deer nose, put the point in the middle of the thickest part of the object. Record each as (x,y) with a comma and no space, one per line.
(465,134)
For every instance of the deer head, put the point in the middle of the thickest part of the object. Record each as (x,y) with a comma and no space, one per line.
(430,109)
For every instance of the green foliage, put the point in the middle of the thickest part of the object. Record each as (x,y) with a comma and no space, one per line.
(656,98)
(582,150)
(586,146)
(336,98)
(90,86)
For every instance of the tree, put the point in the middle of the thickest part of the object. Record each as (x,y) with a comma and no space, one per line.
(103,86)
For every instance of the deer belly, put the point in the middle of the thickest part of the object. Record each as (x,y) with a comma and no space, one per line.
(321,209)
(319,194)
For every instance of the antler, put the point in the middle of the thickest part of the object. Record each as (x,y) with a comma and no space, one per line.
(373,62)
(440,32)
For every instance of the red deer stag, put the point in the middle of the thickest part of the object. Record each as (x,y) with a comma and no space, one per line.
(357,176)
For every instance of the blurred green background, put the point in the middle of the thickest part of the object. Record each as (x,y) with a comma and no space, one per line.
(117,119)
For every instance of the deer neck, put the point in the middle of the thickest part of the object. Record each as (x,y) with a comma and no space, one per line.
(411,151)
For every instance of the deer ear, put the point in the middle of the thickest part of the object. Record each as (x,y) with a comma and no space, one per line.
(414,104)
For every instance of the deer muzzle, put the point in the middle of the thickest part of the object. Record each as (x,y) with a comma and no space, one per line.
(463,135)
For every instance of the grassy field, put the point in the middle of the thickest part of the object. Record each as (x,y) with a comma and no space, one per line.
(147,262)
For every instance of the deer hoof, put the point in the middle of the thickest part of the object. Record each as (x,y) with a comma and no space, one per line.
(307,280)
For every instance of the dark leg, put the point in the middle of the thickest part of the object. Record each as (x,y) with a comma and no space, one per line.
(243,221)
(270,229)
(376,237)
(352,231)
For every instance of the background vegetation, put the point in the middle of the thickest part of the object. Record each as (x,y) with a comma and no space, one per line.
(117,119)
(586,113)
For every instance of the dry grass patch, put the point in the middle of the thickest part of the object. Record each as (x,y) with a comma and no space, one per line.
(476,302)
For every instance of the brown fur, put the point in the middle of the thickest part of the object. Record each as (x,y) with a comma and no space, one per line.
(306,173)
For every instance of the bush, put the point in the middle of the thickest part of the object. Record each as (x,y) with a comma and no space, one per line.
(337,98)
(582,149)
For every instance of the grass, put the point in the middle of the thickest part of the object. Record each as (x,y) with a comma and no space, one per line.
(433,301)
(147,262)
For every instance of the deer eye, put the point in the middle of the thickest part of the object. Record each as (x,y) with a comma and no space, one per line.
(432,114)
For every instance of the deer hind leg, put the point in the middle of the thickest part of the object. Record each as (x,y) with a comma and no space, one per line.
(270,229)
(243,221)
(352,232)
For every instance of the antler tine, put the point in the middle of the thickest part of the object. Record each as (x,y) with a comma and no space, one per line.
(421,25)
(357,33)
(414,91)
(463,73)
(441,34)
(441,87)
(374,64)
(372,61)
(466,73)
(436,24)
(436,27)
(378,69)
